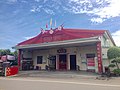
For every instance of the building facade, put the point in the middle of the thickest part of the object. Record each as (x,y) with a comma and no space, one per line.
(66,49)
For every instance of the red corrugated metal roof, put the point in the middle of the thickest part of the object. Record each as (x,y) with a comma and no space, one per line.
(64,34)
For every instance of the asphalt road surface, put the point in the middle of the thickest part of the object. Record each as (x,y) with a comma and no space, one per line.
(56,84)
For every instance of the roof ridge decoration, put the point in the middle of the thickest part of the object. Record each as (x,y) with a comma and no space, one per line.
(51,31)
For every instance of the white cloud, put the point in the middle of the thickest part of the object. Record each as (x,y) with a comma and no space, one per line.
(12,1)
(97,20)
(112,10)
(32,10)
(116,37)
(49,11)
(99,10)
(103,9)
(41,0)
(45,1)
(37,0)
(36,8)
(24,1)
(40,8)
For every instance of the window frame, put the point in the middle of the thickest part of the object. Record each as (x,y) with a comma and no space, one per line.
(39,59)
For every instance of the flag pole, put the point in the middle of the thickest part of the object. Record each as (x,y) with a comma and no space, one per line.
(55,23)
(46,26)
(51,23)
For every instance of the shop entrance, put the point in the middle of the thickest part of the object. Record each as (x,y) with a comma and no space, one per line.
(27,64)
(62,62)
(52,62)
(90,62)
(72,62)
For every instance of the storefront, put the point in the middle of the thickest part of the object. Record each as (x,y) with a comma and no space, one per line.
(66,49)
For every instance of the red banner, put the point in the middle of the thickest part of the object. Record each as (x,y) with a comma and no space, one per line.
(99,57)
(9,71)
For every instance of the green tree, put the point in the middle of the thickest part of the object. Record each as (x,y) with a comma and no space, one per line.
(5,51)
(2,52)
(114,55)
(15,53)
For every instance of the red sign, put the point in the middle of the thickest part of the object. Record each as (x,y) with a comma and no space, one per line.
(9,71)
(90,62)
(99,57)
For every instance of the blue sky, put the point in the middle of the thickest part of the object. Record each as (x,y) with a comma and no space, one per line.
(22,19)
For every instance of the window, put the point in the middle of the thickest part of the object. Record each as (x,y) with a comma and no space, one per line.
(39,59)
(90,55)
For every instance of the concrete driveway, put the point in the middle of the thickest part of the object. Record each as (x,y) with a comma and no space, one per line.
(57,74)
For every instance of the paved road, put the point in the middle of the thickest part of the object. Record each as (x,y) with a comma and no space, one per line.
(16,83)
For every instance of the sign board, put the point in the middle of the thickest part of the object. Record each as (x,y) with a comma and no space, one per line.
(99,57)
(61,50)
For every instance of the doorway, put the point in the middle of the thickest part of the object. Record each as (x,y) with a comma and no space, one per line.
(72,62)
(52,62)
(62,62)
(90,62)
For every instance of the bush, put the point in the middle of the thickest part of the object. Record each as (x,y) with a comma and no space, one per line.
(116,71)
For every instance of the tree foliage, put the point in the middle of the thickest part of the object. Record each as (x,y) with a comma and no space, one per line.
(7,52)
(113,52)
(114,55)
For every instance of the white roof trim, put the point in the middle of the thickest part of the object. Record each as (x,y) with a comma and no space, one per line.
(58,43)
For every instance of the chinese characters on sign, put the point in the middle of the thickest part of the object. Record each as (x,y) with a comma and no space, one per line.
(99,57)
(62,50)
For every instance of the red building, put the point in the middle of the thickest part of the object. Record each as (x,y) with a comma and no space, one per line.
(66,49)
